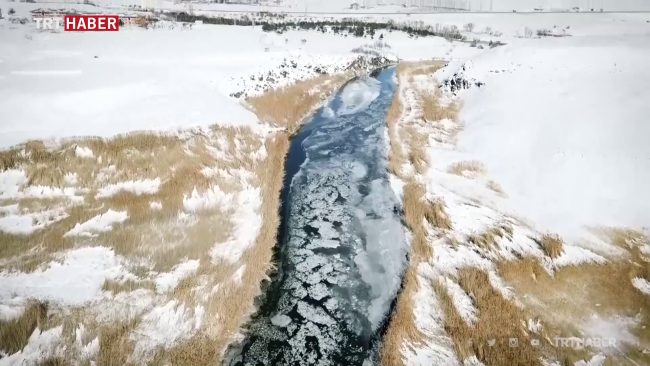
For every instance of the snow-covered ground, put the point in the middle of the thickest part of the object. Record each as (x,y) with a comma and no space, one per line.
(560,125)
(108,83)
(569,147)
(555,143)
(387,6)
(58,86)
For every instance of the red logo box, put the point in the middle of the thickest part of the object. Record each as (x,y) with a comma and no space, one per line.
(92,23)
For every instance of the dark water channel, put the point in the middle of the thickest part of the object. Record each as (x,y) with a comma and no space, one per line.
(342,247)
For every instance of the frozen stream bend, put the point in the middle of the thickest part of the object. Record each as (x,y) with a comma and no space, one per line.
(343,249)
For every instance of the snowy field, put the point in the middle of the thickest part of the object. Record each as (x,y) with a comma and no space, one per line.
(541,175)
(581,159)
(387,6)
(137,248)
(553,143)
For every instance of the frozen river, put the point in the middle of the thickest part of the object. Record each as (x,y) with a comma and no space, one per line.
(343,250)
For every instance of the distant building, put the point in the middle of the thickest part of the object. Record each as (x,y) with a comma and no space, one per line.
(56,13)
(129,19)
(47,13)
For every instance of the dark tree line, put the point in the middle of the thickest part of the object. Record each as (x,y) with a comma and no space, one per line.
(344,27)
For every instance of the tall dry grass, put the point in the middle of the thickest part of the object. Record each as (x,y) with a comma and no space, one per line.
(417,156)
(235,303)
(287,106)
(402,327)
(499,319)
(115,346)
(194,160)
(575,294)
(147,234)
(397,156)
(562,302)
(487,239)
(472,166)
(496,187)
(552,245)
(427,70)
(418,212)
(14,334)
(434,110)
(176,161)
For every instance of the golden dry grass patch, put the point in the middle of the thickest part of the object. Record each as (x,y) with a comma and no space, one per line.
(402,328)
(55,361)
(496,187)
(23,252)
(463,167)
(499,320)
(563,302)
(620,237)
(578,294)
(397,156)
(410,134)
(552,245)
(153,235)
(132,155)
(488,239)
(434,110)
(419,212)
(287,106)
(427,69)
(417,153)
(127,286)
(154,240)
(115,345)
(233,304)
(14,334)
(177,161)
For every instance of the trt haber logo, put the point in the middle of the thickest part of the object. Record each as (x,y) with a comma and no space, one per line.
(92,23)
(49,23)
(81,23)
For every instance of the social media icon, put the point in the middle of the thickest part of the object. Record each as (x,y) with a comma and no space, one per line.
(492,342)
(534,342)
(513,342)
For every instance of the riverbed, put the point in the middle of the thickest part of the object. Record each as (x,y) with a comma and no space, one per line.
(342,247)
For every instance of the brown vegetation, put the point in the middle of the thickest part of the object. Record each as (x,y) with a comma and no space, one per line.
(434,110)
(15,333)
(114,345)
(499,320)
(417,153)
(288,106)
(552,245)
(488,239)
(563,302)
(496,187)
(397,157)
(471,166)
(127,286)
(427,69)
(418,211)
(576,293)
(195,160)
(402,327)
